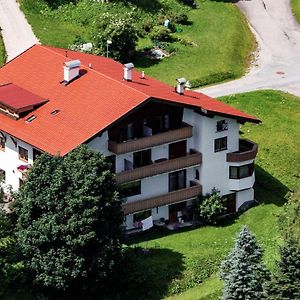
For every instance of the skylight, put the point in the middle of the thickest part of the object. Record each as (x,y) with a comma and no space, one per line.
(55,112)
(30,119)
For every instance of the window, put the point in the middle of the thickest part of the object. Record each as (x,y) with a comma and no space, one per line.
(197,176)
(2,176)
(30,119)
(177,180)
(36,153)
(221,144)
(130,189)
(23,154)
(222,125)
(241,171)
(177,149)
(111,160)
(2,143)
(142,158)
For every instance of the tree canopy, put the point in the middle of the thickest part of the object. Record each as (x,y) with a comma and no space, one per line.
(69,220)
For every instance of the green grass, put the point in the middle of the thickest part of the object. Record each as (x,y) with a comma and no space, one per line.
(296,9)
(2,52)
(200,251)
(221,37)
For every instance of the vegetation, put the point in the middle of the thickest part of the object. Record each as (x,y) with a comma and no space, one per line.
(296,9)
(2,52)
(69,219)
(199,252)
(212,206)
(198,42)
(11,266)
(243,271)
(121,31)
(285,283)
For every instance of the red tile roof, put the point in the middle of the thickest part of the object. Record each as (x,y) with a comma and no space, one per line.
(18,99)
(89,104)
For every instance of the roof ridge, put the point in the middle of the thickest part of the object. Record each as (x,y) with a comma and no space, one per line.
(96,71)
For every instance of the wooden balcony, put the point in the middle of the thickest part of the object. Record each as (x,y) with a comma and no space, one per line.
(160,167)
(150,141)
(247,151)
(173,197)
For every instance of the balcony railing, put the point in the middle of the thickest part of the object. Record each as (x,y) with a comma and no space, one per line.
(172,197)
(247,151)
(150,141)
(194,158)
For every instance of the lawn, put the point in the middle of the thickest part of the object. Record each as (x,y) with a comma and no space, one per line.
(222,41)
(189,271)
(2,52)
(296,9)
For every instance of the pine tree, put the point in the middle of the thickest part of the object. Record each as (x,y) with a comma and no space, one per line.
(285,285)
(243,271)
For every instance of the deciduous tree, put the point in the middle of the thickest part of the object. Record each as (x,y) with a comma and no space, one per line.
(69,220)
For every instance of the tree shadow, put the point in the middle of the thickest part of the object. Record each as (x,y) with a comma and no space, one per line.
(148,6)
(142,61)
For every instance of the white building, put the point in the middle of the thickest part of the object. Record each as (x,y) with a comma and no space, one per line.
(167,146)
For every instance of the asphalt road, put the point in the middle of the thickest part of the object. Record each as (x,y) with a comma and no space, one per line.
(278,58)
(17,33)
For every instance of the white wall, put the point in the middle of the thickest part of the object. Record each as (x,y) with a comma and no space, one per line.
(243,196)
(9,161)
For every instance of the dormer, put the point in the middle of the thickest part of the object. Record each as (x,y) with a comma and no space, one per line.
(16,102)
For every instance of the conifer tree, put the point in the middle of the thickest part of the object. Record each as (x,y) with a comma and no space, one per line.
(243,271)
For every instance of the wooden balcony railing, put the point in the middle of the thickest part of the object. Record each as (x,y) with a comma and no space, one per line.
(247,151)
(150,141)
(160,167)
(172,197)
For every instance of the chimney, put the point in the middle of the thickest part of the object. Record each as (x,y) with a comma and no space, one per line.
(71,70)
(127,71)
(180,85)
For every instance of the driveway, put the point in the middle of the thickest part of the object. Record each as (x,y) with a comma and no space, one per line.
(17,33)
(278,59)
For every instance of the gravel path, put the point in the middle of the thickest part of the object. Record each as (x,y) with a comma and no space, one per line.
(278,62)
(17,33)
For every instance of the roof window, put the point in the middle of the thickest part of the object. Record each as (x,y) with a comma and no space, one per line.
(55,112)
(30,119)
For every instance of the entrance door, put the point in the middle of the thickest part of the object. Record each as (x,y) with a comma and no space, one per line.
(174,209)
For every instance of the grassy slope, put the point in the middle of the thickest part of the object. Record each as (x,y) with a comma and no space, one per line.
(220,31)
(224,43)
(296,9)
(278,169)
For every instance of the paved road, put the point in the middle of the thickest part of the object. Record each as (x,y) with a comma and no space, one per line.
(278,62)
(17,33)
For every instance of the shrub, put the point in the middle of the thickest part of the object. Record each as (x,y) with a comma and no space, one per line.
(160,34)
(212,206)
(212,78)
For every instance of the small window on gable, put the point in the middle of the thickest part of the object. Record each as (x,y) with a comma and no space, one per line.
(2,143)
(222,125)
(23,154)
(30,119)
(221,144)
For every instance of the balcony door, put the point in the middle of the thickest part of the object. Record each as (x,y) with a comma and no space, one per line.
(177,180)
(177,149)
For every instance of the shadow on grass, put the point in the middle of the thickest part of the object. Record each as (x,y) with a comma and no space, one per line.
(268,189)
(148,6)
(142,61)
